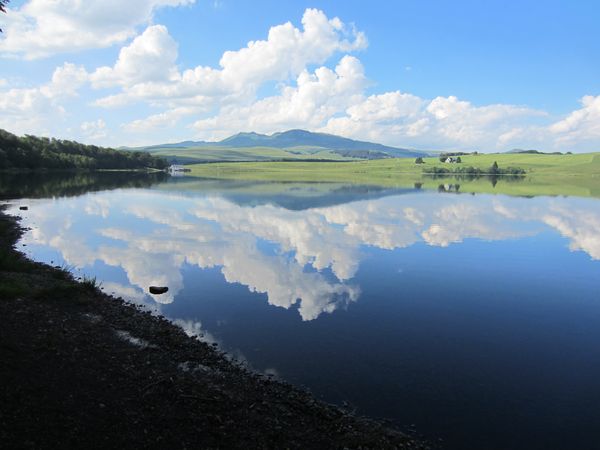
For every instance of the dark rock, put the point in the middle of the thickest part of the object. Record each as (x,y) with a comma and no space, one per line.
(158,289)
(23,208)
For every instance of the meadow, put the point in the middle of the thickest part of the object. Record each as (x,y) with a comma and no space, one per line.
(569,174)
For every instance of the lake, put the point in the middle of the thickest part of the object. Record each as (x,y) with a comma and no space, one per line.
(474,319)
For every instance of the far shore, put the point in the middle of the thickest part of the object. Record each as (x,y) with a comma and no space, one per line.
(570,175)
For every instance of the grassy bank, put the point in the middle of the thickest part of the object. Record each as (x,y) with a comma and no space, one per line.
(577,175)
(81,369)
(587,164)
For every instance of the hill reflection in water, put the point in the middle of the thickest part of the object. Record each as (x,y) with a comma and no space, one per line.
(446,311)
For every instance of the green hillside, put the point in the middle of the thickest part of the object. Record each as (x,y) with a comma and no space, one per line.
(292,144)
(210,154)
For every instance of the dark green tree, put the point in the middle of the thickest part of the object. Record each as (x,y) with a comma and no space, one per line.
(31,152)
(419,160)
(458,160)
(3,4)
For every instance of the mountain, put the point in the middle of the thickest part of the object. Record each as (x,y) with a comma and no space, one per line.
(183,144)
(303,138)
(292,144)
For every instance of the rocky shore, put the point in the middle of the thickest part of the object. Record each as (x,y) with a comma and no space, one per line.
(81,369)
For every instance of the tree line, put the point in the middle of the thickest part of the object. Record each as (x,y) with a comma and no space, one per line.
(33,153)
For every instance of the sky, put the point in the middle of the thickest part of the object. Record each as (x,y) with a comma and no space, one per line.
(429,74)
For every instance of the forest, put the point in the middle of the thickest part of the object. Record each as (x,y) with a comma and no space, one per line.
(34,153)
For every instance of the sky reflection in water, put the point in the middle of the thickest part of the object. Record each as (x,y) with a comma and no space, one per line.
(405,305)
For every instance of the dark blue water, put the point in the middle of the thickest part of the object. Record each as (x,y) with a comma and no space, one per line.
(473,319)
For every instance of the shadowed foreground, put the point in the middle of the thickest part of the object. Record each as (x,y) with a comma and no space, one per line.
(80,368)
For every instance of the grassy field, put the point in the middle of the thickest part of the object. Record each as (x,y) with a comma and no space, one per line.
(546,174)
(204,154)
(560,165)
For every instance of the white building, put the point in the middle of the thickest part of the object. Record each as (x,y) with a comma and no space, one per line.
(176,168)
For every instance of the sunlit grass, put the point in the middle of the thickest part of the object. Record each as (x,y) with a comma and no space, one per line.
(577,175)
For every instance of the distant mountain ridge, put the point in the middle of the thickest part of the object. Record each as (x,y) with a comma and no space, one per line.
(303,138)
(298,141)
(532,152)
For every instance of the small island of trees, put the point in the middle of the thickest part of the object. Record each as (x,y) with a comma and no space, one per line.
(469,170)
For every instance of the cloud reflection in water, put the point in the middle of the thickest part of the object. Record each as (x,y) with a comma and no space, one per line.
(312,255)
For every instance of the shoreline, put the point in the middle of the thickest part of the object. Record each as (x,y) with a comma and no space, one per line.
(83,368)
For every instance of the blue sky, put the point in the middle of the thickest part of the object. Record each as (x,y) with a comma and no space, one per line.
(424,74)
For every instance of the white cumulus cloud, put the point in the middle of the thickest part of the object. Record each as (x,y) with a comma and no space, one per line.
(582,124)
(95,129)
(315,98)
(285,53)
(36,109)
(150,57)
(42,28)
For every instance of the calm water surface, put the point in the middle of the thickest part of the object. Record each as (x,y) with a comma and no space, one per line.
(470,318)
